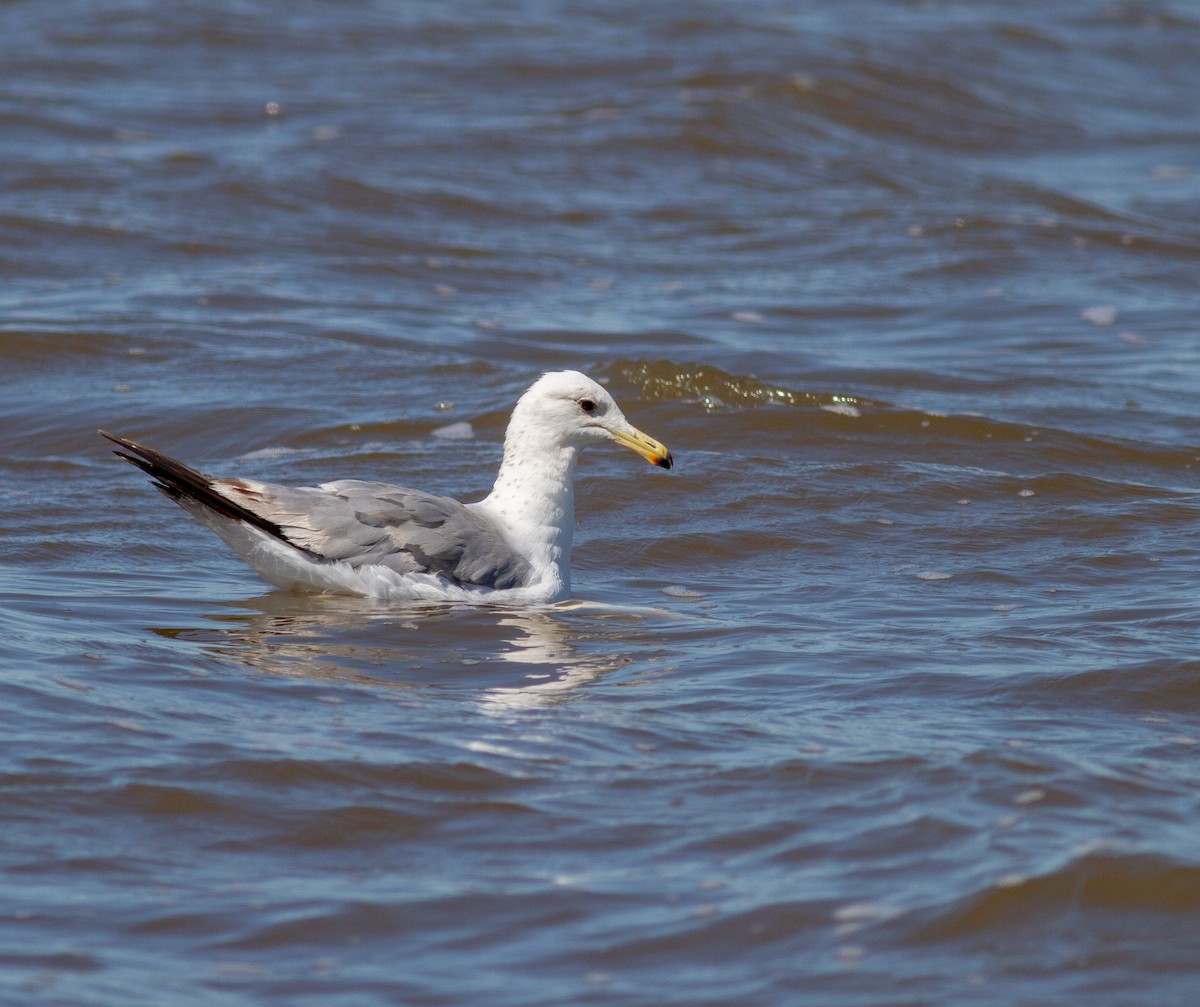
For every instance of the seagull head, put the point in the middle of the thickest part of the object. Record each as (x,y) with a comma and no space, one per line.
(575,411)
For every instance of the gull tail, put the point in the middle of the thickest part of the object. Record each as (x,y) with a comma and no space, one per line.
(188,487)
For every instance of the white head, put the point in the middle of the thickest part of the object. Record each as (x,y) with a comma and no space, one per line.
(568,409)
(533,498)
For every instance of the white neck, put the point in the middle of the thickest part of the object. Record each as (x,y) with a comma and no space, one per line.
(536,505)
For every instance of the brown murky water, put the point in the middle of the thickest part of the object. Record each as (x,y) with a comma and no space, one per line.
(888,695)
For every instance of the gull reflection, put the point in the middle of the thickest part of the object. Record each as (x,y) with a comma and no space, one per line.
(544,639)
(506,659)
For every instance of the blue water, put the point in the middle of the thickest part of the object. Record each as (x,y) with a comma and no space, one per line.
(887,695)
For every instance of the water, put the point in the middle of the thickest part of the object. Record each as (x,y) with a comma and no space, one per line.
(888,695)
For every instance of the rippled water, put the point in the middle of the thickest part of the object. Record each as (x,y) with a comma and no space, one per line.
(888,695)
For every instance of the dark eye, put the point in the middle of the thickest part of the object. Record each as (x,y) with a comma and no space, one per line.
(587,405)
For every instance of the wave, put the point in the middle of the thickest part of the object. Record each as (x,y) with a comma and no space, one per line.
(1091,886)
(720,392)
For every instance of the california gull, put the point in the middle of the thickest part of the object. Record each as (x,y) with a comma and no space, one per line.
(379,540)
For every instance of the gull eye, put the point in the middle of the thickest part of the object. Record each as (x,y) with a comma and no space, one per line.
(587,405)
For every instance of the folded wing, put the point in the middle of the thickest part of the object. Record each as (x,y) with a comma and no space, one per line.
(349,521)
(406,530)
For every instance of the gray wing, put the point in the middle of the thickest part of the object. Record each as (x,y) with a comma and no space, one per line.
(359,523)
(366,523)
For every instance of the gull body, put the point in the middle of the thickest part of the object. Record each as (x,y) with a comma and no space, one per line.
(379,540)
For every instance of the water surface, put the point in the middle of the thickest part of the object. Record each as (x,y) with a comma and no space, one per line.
(887,695)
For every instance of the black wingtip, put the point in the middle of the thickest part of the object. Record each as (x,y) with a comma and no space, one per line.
(126,443)
(181,482)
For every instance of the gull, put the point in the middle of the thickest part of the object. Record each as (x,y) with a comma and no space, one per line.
(378,540)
